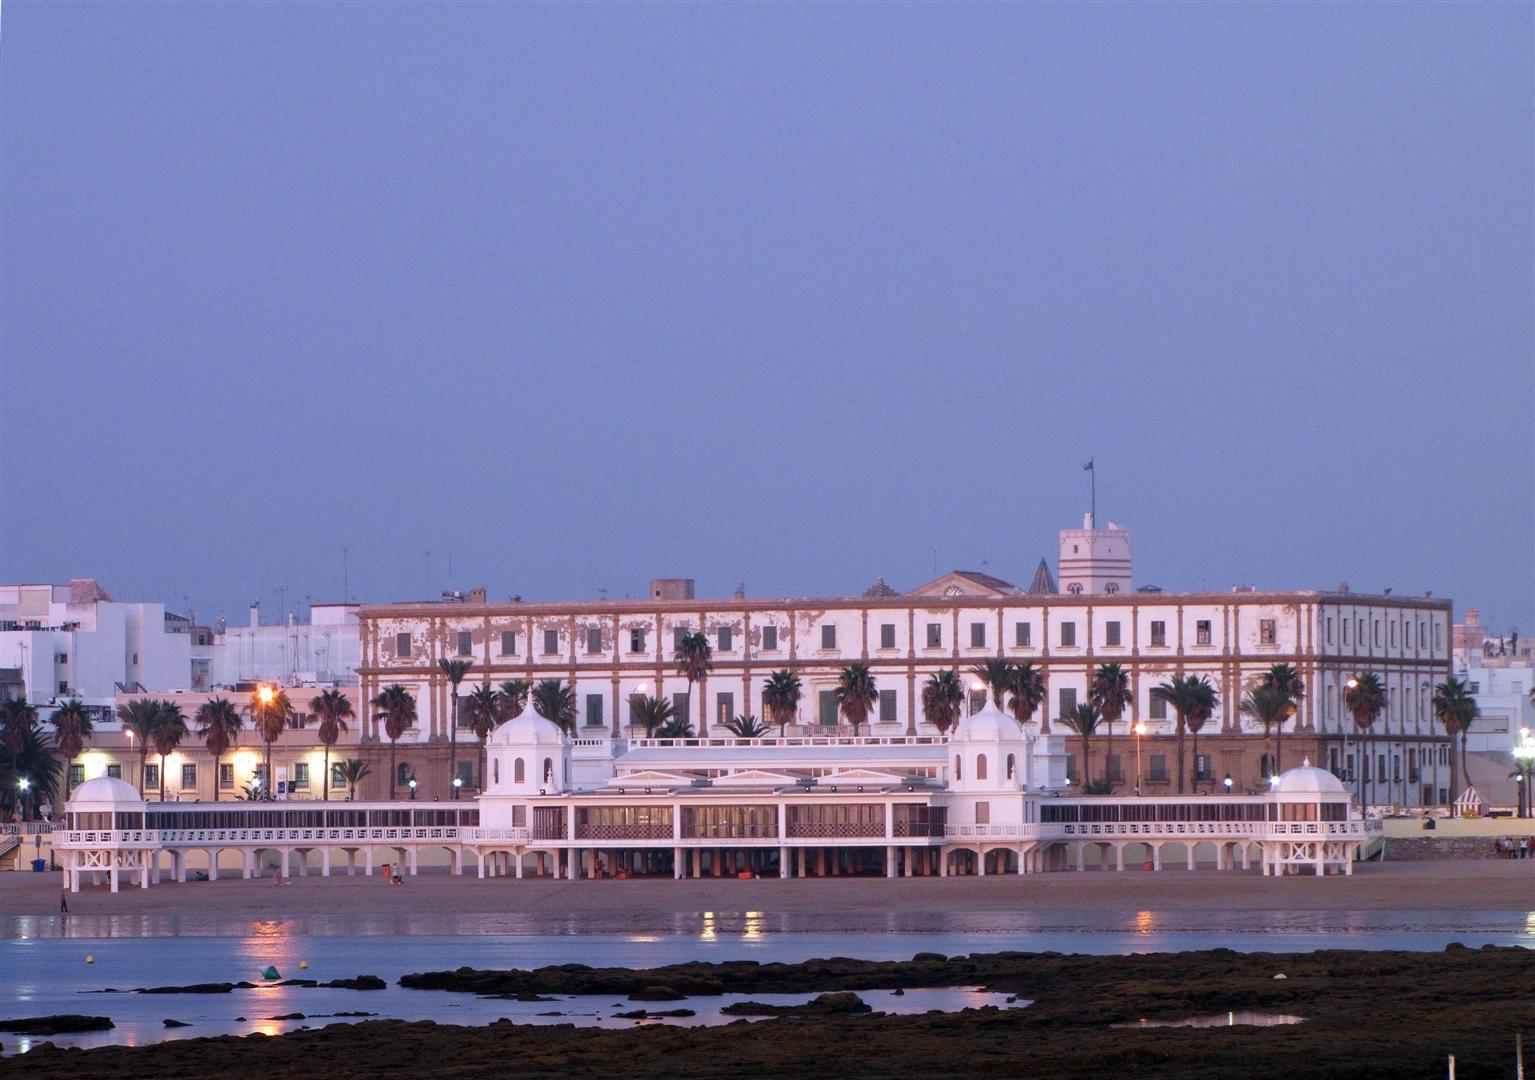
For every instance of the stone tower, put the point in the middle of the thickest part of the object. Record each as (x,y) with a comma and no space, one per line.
(1095,560)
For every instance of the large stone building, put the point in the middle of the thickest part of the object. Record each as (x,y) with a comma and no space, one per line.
(611,651)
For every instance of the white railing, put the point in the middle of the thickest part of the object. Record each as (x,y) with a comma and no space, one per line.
(99,838)
(793,740)
(1014,831)
(107,838)
(481,835)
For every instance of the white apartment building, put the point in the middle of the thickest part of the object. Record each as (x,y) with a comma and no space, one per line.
(1503,704)
(610,651)
(76,640)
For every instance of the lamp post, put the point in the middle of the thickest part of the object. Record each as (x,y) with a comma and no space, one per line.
(22,786)
(1139,729)
(411,783)
(1226,783)
(1524,757)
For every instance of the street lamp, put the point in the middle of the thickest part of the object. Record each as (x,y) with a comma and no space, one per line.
(1226,783)
(1524,756)
(411,783)
(22,785)
(1139,729)
(458,782)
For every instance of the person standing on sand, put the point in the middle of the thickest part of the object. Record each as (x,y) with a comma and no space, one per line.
(63,901)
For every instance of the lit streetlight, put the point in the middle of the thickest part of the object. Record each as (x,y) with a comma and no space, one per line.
(1524,758)
(411,783)
(1226,783)
(1139,729)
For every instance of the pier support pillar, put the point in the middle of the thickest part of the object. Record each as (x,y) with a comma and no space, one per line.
(783,861)
(325,862)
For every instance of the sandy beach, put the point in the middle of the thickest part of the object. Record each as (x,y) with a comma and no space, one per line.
(1464,885)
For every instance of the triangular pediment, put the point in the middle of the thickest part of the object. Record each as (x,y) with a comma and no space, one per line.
(651,778)
(864,776)
(967,583)
(755,778)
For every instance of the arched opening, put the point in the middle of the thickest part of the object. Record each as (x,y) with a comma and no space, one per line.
(1012,766)
(402,773)
(1266,767)
(495,770)
(980,766)
(958,772)
(519,774)
(548,771)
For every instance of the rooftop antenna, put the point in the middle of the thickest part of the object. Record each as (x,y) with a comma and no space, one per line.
(346,584)
(1093,488)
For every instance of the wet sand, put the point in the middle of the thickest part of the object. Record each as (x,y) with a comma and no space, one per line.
(1364,1015)
(1463,885)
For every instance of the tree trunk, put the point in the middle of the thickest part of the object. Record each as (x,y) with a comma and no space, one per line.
(1279,749)
(1180,753)
(392,771)
(162,777)
(453,743)
(216,776)
(1196,761)
(325,778)
(143,760)
(267,784)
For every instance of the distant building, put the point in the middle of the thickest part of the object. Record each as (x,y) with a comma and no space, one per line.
(324,651)
(1475,647)
(610,651)
(75,640)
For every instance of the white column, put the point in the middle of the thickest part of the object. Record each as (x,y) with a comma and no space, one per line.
(1156,856)
(1119,857)
(367,870)
(518,856)
(570,864)
(413,853)
(784,856)
(325,861)
(458,861)
(889,850)
(1023,863)
(112,874)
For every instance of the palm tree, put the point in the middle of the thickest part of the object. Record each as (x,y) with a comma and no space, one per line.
(1286,679)
(1269,706)
(1109,692)
(16,720)
(695,659)
(1084,718)
(397,708)
(1028,691)
(996,674)
(1365,698)
(27,753)
(334,709)
(270,712)
(139,718)
(218,724)
(746,726)
(780,697)
(553,699)
(942,696)
(1455,709)
(856,694)
(353,771)
(651,713)
(1187,695)
(485,709)
(455,670)
(72,726)
(170,728)
(678,727)
(1196,720)
(514,697)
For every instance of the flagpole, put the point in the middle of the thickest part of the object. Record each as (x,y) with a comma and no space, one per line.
(1092,469)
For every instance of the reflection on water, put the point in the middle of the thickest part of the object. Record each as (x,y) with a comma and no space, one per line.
(1225,1019)
(1506,927)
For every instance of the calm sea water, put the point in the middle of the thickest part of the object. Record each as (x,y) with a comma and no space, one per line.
(45,969)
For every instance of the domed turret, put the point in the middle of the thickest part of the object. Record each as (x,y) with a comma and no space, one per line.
(1306,782)
(987,752)
(528,755)
(104,793)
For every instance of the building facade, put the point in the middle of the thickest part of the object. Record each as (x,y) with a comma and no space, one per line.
(609,652)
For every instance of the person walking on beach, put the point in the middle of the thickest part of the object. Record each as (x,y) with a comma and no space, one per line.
(63,901)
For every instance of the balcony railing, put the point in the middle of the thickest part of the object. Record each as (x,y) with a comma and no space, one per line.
(794,740)
(481,835)
(624,832)
(808,829)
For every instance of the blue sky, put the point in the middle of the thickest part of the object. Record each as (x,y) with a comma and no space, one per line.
(788,295)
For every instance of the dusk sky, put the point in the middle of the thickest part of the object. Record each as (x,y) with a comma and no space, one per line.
(791,295)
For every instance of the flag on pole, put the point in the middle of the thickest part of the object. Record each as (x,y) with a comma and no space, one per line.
(1089,466)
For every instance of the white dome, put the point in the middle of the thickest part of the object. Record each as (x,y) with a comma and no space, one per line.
(1309,780)
(105,789)
(527,729)
(990,725)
